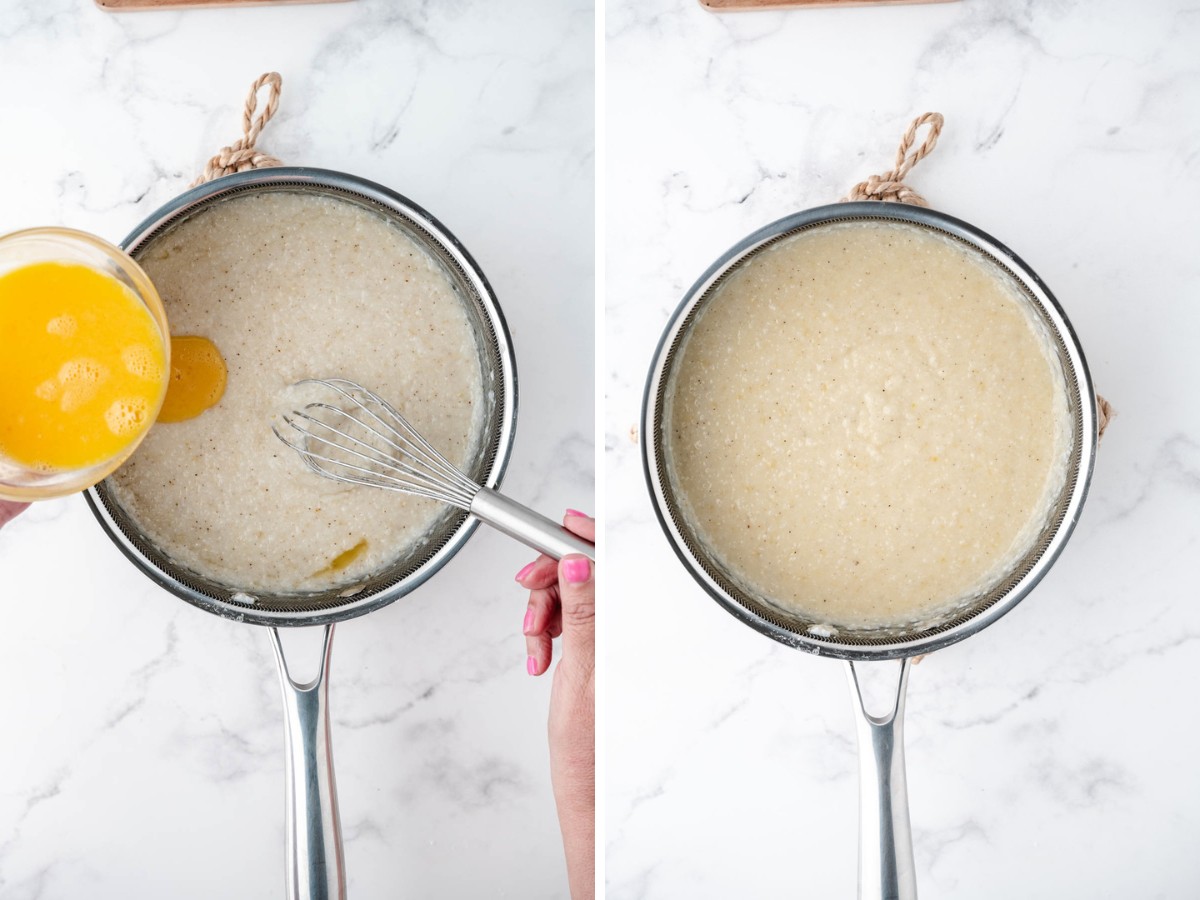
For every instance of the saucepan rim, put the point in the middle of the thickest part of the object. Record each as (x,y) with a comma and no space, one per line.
(847,644)
(240,606)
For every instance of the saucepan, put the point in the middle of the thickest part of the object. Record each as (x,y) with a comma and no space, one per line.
(885,841)
(315,866)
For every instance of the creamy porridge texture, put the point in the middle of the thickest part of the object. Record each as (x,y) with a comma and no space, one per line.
(291,286)
(867,424)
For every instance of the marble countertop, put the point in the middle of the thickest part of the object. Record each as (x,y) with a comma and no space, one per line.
(1052,755)
(142,748)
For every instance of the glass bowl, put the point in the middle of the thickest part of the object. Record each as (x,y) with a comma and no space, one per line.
(65,245)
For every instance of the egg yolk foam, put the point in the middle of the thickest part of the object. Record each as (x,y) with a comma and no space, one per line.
(82,366)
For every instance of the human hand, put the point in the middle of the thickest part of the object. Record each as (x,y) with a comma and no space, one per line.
(562,601)
(9,510)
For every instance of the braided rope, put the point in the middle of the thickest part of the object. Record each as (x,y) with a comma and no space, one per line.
(242,155)
(890,187)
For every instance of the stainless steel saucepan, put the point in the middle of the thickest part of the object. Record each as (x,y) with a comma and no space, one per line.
(315,866)
(885,841)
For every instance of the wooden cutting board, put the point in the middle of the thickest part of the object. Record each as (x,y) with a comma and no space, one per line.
(124,5)
(740,5)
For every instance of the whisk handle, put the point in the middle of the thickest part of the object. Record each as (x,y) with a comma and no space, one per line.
(530,528)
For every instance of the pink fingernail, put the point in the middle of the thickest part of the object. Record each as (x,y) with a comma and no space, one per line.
(525,571)
(531,666)
(528,626)
(577,570)
(575,512)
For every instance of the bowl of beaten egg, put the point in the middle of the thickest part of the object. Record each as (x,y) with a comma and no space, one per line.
(84,361)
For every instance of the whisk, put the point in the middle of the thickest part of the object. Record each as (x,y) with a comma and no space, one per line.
(365,440)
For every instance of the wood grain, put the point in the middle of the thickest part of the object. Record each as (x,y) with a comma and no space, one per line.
(745,5)
(130,5)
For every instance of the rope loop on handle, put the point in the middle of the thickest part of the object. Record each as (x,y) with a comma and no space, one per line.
(890,187)
(242,155)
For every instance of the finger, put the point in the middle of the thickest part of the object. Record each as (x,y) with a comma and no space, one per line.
(539,646)
(10,509)
(577,596)
(581,524)
(539,574)
(541,651)
(541,613)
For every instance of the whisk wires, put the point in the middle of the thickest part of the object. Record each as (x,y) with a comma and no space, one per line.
(363,439)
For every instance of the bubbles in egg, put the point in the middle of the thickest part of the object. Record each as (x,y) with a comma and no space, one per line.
(141,361)
(62,326)
(126,416)
(80,380)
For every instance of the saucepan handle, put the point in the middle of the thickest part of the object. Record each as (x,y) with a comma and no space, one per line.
(316,868)
(885,856)
(530,528)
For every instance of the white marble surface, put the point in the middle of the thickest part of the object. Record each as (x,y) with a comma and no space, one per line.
(142,747)
(1052,755)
